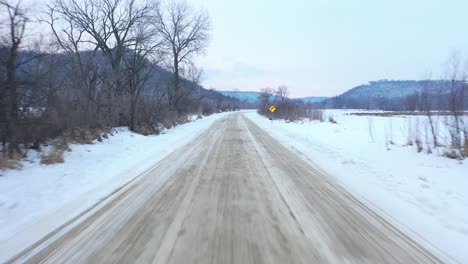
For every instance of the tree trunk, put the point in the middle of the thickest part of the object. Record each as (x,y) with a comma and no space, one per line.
(132,113)
(431,124)
(466,147)
(11,101)
(175,94)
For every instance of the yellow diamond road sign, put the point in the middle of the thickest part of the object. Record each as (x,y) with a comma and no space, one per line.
(272,108)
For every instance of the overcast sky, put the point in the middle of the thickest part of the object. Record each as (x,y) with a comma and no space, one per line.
(324,47)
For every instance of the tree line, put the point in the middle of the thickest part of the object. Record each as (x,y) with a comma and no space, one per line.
(286,108)
(100,64)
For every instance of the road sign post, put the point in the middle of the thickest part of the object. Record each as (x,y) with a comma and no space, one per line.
(272,110)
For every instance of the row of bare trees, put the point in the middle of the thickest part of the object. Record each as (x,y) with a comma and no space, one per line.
(99,64)
(449,101)
(286,108)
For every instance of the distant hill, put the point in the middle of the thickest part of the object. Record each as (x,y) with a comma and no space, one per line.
(393,89)
(312,99)
(253,97)
(383,94)
(393,95)
(246,96)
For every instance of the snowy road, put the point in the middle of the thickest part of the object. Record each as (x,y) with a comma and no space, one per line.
(233,195)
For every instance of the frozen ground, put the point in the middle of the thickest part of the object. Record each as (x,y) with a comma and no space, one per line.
(29,197)
(424,194)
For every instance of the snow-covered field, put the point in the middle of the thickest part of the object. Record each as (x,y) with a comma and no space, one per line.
(424,194)
(39,198)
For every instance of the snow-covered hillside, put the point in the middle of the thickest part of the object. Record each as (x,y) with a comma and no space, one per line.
(394,89)
(424,194)
(29,197)
(399,95)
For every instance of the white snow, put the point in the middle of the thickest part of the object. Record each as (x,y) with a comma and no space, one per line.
(39,198)
(424,194)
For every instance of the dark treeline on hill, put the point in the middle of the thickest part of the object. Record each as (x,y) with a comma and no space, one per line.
(108,63)
(403,96)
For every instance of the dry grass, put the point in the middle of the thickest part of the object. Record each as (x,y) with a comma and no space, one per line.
(53,157)
(146,130)
(83,136)
(183,119)
(168,123)
(7,163)
(451,154)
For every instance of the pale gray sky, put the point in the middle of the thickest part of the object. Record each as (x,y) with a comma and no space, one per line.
(324,47)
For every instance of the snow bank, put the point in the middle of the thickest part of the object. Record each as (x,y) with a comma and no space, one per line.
(424,194)
(55,193)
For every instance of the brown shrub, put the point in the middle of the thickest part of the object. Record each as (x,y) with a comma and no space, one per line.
(86,137)
(81,136)
(36,146)
(144,129)
(61,143)
(451,154)
(183,119)
(168,123)
(54,156)
(7,163)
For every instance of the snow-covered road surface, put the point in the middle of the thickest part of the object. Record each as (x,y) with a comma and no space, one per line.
(232,195)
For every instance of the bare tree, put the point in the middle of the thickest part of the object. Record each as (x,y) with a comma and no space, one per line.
(265,98)
(124,31)
(456,90)
(427,106)
(85,75)
(10,44)
(137,61)
(190,82)
(102,69)
(138,72)
(185,33)
(282,93)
